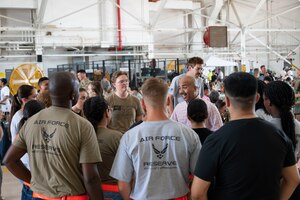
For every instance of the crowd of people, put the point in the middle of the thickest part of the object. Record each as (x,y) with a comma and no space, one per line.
(227,137)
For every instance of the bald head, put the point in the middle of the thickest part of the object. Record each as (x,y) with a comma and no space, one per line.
(187,88)
(63,88)
(188,80)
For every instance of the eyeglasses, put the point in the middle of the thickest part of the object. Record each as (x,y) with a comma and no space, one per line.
(123,81)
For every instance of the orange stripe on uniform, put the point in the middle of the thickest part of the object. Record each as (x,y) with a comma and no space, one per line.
(110,188)
(181,198)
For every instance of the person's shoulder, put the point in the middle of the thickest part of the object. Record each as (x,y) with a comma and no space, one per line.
(182,104)
(176,78)
(134,98)
(179,126)
(297,127)
(209,104)
(115,133)
(110,96)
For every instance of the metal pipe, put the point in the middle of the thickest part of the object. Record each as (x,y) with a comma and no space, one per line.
(119,26)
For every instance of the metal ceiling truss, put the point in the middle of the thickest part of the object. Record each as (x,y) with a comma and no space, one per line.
(37,29)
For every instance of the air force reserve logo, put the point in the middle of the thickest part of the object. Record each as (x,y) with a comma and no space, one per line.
(47,137)
(161,153)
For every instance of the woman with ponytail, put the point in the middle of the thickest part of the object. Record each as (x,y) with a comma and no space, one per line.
(98,112)
(279,99)
(25,93)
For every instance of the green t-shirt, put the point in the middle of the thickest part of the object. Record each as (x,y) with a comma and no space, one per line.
(124,112)
(108,141)
(58,141)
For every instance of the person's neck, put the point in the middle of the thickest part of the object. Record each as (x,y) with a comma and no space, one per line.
(76,109)
(122,95)
(190,74)
(197,124)
(236,115)
(157,114)
(102,124)
(275,113)
(195,97)
(62,104)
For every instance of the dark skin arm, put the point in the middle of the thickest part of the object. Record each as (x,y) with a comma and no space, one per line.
(15,165)
(92,181)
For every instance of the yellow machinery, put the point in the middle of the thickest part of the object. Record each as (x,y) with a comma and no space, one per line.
(25,74)
(171,66)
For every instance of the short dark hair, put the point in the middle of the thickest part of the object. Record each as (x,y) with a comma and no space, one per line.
(214,96)
(81,71)
(42,79)
(31,108)
(241,87)
(197,110)
(262,66)
(94,108)
(268,78)
(220,103)
(260,90)
(4,81)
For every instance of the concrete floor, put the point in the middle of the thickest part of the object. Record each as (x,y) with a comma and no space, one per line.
(11,187)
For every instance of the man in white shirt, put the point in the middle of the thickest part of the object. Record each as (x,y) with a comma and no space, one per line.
(4,97)
(195,69)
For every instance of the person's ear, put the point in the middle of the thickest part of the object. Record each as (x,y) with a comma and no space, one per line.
(106,114)
(143,105)
(189,118)
(227,101)
(257,97)
(168,100)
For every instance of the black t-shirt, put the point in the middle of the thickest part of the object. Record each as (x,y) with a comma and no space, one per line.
(202,133)
(246,157)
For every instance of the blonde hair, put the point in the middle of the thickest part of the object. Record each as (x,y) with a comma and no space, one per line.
(155,91)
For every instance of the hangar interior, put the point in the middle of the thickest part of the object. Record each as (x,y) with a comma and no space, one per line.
(76,34)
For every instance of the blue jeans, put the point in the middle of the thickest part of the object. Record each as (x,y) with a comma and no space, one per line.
(112,196)
(27,194)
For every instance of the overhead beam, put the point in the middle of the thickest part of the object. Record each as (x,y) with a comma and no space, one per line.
(18,4)
(158,13)
(41,11)
(253,14)
(215,12)
(274,52)
(144,24)
(279,14)
(16,20)
(235,13)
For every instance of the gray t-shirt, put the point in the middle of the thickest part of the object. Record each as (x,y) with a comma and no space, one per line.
(158,155)
(174,89)
(277,123)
